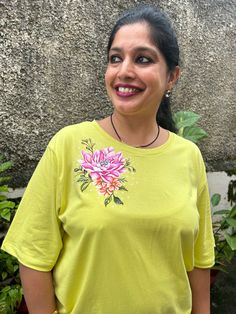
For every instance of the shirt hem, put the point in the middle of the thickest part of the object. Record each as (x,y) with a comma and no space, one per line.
(14,252)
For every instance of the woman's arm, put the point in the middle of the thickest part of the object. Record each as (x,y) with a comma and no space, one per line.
(200,284)
(38,290)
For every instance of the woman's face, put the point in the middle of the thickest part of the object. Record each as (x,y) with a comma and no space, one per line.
(137,75)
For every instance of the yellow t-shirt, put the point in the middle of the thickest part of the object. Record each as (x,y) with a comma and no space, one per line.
(118,226)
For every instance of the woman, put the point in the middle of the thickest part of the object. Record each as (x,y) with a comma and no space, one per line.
(116,217)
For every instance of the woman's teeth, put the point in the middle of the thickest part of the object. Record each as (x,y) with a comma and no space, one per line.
(127,90)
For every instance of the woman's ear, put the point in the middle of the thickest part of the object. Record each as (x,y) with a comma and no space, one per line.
(173,77)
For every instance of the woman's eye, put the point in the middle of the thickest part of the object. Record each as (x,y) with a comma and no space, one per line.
(115,59)
(143,60)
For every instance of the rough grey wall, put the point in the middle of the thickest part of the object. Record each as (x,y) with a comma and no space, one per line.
(53,56)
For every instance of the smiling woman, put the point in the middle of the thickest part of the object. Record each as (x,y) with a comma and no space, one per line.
(137,76)
(116,217)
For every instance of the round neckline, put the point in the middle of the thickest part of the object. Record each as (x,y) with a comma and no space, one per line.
(137,150)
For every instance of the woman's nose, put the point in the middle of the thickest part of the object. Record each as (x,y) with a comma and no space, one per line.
(126,70)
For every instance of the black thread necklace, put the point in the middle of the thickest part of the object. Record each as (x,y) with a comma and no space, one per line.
(141,146)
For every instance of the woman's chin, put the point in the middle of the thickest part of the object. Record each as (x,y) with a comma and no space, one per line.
(128,108)
(131,111)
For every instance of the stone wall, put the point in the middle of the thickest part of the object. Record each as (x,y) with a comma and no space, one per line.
(53,57)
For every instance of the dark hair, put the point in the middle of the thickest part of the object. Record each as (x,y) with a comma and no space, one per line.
(163,36)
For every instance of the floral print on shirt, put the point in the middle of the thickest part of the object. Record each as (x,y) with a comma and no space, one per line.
(104,168)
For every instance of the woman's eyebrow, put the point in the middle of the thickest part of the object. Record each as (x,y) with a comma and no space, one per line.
(138,49)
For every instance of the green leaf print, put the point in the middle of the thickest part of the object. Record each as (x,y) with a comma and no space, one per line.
(122,180)
(83,179)
(131,169)
(122,188)
(89,145)
(117,200)
(128,166)
(107,200)
(84,186)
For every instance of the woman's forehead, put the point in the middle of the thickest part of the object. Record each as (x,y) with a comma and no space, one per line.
(138,34)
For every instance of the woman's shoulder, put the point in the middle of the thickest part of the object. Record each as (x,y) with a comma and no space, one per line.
(188,151)
(186,147)
(72,131)
(70,135)
(183,142)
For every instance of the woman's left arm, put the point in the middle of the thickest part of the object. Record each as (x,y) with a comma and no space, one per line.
(199,279)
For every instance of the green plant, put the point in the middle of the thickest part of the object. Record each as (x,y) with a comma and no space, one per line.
(186,124)
(10,299)
(224,225)
(232,187)
(10,288)
(6,207)
(224,228)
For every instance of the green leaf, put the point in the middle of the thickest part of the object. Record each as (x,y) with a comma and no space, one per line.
(10,299)
(194,134)
(3,307)
(233,212)
(84,186)
(10,266)
(107,200)
(127,162)
(84,142)
(222,212)
(122,188)
(4,179)
(83,179)
(185,119)
(4,275)
(122,180)
(6,214)
(6,204)
(6,289)
(117,200)
(131,169)
(231,222)
(16,267)
(215,199)
(228,253)
(89,144)
(78,169)
(5,166)
(220,268)
(3,188)
(231,240)
(89,148)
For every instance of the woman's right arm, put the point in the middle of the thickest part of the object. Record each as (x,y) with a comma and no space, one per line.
(38,290)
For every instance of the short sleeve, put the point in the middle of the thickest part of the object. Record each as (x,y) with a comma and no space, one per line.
(204,256)
(34,236)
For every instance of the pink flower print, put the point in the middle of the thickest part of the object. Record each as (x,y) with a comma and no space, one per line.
(107,188)
(103,168)
(103,164)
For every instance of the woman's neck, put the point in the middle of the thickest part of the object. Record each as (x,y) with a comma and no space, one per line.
(134,131)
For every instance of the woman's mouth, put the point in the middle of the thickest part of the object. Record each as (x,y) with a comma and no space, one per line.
(127,91)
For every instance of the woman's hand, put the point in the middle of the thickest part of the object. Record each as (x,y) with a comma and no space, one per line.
(38,290)
(200,284)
